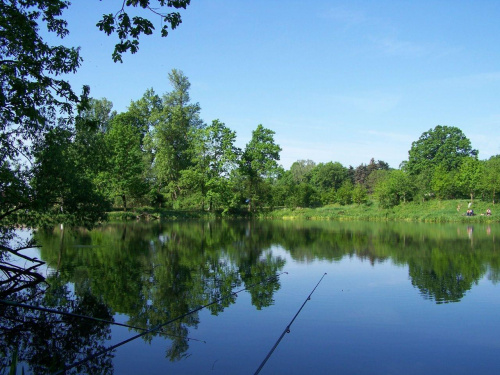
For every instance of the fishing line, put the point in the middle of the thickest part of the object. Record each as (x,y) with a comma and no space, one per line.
(287,329)
(44,309)
(95,355)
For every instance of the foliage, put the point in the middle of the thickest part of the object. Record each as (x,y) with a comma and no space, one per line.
(344,193)
(470,175)
(301,170)
(33,97)
(444,183)
(397,188)
(215,156)
(258,163)
(491,178)
(123,176)
(171,138)
(443,145)
(362,173)
(327,176)
(129,30)
(359,194)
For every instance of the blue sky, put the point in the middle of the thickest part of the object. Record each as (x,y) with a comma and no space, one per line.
(336,80)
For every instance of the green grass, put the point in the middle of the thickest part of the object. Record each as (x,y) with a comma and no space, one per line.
(432,211)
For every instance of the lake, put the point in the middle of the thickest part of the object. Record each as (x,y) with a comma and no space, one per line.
(396,298)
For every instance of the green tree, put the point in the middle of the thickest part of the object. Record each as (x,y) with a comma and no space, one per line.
(33,96)
(171,139)
(444,183)
(344,193)
(259,162)
(215,156)
(145,110)
(491,177)
(303,195)
(97,114)
(374,178)
(397,188)
(359,194)
(443,145)
(362,172)
(326,176)
(470,175)
(301,170)
(63,192)
(124,176)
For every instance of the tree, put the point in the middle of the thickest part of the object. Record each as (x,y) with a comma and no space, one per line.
(33,96)
(374,178)
(443,145)
(444,183)
(63,192)
(470,175)
(344,193)
(359,194)
(491,176)
(172,134)
(397,188)
(301,170)
(362,173)
(124,174)
(258,163)
(326,176)
(97,114)
(215,156)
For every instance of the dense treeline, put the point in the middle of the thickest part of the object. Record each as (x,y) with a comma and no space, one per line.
(160,153)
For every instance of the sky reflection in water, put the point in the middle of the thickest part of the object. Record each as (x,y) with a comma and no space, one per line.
(396,298)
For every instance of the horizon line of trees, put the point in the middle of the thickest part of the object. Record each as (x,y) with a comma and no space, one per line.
(160,153)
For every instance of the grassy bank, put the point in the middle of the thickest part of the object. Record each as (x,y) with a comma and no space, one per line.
(433,211)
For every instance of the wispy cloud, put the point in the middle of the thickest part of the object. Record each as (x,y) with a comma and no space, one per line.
(345,16)
(372,102)
(401,48)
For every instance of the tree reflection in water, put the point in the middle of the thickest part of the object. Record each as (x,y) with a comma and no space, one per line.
(154,273)
(150,274)
(45,342)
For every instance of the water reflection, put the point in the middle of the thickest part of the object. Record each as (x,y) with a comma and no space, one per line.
(152,273)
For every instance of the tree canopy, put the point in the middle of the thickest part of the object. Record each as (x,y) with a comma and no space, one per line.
(443,145)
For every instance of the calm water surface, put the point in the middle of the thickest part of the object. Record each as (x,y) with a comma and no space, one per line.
(397,299)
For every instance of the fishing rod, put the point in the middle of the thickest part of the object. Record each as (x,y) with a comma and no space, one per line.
(73,315)
(98,354)
(287,329)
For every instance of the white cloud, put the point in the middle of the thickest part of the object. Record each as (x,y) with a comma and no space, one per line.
(395,47)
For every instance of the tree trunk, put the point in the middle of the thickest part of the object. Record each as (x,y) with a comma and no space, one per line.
(124,198)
